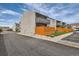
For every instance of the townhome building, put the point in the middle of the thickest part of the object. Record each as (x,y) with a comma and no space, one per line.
(36,23)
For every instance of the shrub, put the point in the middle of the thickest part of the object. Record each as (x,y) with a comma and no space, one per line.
(9,30)
(0,30)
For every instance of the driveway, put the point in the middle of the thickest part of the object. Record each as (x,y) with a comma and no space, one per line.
(73,38)
(12,44)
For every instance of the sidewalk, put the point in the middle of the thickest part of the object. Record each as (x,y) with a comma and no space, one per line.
(58,39)
(54,39)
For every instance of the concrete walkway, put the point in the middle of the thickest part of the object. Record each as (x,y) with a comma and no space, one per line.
(58,39)
(54,39)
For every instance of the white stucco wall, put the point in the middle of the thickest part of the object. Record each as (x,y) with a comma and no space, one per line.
(28,23)
(52,23)
(13,27)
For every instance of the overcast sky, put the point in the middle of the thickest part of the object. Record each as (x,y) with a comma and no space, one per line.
(11,13)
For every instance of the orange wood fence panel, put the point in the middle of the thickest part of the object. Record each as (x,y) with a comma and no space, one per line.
(40,30)
(64,29)
(43,30)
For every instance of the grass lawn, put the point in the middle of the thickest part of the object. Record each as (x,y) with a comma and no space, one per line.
(57,34)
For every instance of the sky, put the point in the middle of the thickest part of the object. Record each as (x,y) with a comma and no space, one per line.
(11,13)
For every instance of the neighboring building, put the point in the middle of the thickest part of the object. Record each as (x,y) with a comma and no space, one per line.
(75,26)
(16,27)
(33,22)
(13,27)
(5,28)
(68,26)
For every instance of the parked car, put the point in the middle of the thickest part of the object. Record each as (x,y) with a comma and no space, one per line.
(76,31)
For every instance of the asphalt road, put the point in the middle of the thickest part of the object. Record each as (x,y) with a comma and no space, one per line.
(12,44)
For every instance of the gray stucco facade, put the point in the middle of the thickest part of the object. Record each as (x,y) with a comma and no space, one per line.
(27,24)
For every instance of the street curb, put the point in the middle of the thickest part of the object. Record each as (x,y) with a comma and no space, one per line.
(68,43)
